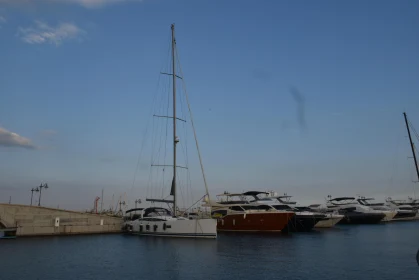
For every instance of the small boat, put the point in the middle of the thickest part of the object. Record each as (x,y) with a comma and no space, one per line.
(354,212)
(8,233)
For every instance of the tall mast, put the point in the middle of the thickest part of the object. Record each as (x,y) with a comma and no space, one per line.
(174,120)
(411,145)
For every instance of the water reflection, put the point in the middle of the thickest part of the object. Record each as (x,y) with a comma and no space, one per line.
(365,252)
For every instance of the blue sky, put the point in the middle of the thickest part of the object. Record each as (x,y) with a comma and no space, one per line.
(77,78)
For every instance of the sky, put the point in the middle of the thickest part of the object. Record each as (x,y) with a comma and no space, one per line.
(301,97)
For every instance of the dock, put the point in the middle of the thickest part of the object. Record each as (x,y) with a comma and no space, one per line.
(43,221)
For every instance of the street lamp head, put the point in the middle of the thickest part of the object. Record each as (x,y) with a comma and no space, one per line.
(37,189)
(46,186)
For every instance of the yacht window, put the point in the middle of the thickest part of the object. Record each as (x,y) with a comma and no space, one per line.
(264,207)
(303,208)
(219,212)
(236,208)
(281,207)
(154,212)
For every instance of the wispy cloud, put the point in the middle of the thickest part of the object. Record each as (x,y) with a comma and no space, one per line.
(11,139)
(96,3)
(84,3)
(43,33)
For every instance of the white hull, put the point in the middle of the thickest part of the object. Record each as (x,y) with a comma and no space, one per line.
(415,218)
(196,228)
(331,221)
(389,216)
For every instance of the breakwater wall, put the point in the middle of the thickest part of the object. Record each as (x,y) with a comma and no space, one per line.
(39,221)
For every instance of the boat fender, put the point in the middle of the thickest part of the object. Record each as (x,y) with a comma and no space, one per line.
(164,226)
(141,228)
(155,227)
(244,216)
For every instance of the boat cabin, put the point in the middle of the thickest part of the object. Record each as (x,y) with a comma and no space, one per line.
(150,213)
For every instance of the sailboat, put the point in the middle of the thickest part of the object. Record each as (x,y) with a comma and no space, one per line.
(407,209)
(169,222)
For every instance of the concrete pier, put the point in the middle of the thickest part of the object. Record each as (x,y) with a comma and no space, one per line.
(38,221)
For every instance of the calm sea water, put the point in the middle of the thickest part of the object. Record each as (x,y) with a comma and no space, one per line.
(385,252)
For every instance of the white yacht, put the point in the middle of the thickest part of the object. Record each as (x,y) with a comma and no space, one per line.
(404,211)
(170,222)
(388,211)
(354,212)
(158,221)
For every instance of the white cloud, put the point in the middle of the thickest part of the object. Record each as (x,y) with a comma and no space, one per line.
(11,139)
(96,3)
(43,33)
(84,3)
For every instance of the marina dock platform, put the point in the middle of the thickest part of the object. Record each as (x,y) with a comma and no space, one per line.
(43,221)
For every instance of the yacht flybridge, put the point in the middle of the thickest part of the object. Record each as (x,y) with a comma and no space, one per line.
(354,212)
(162,221)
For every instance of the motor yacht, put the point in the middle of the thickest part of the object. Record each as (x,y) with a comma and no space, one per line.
(304,219)
(405,211)
(354,212)
(390,213)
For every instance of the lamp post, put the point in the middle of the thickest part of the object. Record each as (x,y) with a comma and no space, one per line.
(120,206)
(45,186)
(33,190)
(137,201)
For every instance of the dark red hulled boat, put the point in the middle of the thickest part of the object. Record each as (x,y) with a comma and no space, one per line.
(251,218)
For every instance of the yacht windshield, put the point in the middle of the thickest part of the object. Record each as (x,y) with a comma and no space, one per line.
(155,212)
